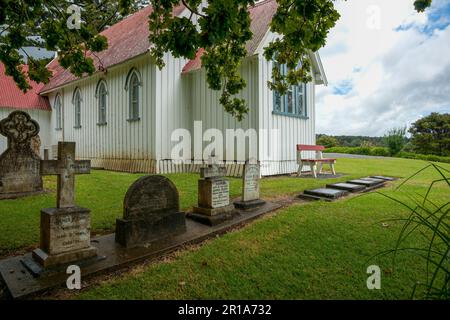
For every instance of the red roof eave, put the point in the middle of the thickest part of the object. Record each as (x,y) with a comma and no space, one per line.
(14,98)
(127,39)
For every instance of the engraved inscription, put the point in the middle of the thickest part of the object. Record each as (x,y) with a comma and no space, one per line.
(220,193)
(69,232)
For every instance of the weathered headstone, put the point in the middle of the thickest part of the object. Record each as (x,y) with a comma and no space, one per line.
(250,187)
(36,145)
(151,212)
(213,196)
(19,164)
(65,230)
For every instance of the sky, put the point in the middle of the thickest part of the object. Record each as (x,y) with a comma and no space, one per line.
(386,65)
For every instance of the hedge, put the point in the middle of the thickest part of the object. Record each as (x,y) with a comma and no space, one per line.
(384,152)
(426,157)
(368,151)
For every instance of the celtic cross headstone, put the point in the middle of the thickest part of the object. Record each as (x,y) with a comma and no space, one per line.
(19,164)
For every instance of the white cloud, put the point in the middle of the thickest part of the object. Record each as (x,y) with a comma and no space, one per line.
(397,75)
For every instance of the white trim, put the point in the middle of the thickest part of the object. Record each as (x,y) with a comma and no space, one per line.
(320,76)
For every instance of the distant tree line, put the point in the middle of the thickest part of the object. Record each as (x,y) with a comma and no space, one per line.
(430,135)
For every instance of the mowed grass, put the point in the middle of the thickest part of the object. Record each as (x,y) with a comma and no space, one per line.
(306,251)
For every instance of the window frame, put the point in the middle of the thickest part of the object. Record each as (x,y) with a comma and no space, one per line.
(102,105)
(76,101)
(58,110)
(133,84)
(281,103)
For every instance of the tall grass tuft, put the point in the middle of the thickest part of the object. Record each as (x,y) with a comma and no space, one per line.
(430,220)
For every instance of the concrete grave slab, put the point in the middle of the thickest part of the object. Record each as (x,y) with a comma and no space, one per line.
(367,183)
(373,179)
(326,193)
(384,178)
(347,187)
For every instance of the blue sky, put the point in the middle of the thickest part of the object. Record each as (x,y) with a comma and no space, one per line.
(387,66)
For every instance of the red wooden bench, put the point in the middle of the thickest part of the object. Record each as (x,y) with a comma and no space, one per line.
(315,164)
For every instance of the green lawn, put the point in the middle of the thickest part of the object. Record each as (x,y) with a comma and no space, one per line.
(306,251)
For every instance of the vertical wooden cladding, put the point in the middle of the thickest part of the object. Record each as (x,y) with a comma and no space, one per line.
(292,130)
(205,105)
(118,139)
(41,116)
(170,101)
(172,105)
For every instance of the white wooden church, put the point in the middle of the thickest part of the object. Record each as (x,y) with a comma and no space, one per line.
(123,116)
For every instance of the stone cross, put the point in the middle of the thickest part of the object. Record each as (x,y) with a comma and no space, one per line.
(65,168)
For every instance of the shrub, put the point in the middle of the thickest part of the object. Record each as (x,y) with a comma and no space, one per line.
(425,157)
(327,141)
(339,150)
(384,152)
(363,150)
(395,140)
(379,151)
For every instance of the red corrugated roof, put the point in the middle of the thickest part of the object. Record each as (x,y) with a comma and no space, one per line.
(261,15)
(129,38)
(126,39)
(12,97)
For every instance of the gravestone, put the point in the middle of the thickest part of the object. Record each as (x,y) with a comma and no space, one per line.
(383,178)
(36,145)
(151,212)
(19,164)
(65,230)
(365,182)
(250,187)
(379,181)
(347,187)
(213,196)
(326,193)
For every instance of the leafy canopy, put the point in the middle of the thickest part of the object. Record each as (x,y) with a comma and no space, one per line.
(431,134)
(222,31)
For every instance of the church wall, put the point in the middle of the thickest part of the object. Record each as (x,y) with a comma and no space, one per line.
(120,144)
(277,151)
(205,106)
